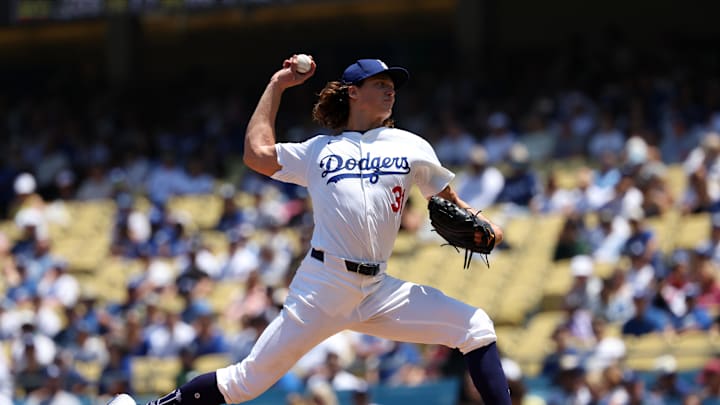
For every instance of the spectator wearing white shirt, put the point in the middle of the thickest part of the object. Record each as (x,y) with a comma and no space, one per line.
(608,237)
(57,287)
(585,285)
(641,274)
(519,391)
(479,184)
(672,289)
(243,255)
(626,197)
(45,316)
(608,350)
(87,347)
(636,153)
(341,343)
(7,387)
(614,303)
(274,266)
(587,196)
(702,169)
(199,261)
(607,174)
(44,348)
(168,337)
(11,319)
(553,199)
(333,373)
(33,226)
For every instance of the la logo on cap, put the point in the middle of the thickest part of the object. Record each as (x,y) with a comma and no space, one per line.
(382,64)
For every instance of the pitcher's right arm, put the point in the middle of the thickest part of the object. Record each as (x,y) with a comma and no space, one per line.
(259,153)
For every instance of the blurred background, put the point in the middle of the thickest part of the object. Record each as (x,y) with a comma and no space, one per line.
(137,250)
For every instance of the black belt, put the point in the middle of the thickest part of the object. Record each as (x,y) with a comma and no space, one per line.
(368,269)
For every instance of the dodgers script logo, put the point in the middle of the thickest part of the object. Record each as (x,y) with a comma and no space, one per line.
(371,167)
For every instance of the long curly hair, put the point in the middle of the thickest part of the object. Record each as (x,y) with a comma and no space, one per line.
(332,109)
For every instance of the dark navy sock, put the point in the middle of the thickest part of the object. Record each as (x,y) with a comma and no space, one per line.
(201,390)
(487,375)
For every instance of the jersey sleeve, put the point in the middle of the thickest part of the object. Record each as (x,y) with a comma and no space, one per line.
(430,176)
(294,161)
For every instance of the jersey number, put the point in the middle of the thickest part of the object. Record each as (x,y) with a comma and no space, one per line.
(399,194)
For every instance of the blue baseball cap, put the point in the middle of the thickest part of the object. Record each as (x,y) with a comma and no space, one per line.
(364,68)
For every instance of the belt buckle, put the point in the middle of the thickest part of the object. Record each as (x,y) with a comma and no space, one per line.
(368,268)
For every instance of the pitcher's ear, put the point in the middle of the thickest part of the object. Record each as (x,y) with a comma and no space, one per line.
(352,91)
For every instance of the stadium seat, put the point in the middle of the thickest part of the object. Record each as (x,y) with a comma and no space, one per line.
(691,362)
(9,228)
(203,210)
(216,241)
(405,244)
(649,345)
(5,349)
(676,179)
(154,375)
(556,285)
(665,228)
(693,343)
(640,363)
(89,369)
(536,337)
(517,232)
(211,362)
(223,292)
(692,230)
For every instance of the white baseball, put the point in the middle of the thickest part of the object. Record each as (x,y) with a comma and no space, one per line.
(303,63)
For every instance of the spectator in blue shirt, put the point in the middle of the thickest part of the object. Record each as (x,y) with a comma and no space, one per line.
(643,239)
(398,359)
(521,185)
(695,318)
(551,363)
(668,384)
(165,180)
(647,319)
(209,339)
(116,375)
(231,216)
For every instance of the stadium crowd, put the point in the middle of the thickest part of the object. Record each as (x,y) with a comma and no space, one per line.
(100,147)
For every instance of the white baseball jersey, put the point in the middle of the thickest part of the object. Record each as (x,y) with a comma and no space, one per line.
(359,185)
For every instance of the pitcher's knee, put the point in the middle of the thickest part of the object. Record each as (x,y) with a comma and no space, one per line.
(480,333)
